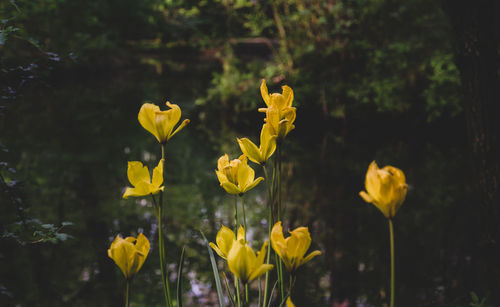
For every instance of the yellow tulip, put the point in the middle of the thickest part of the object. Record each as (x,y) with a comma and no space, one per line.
(289,302)
(236,176)
(225,238)
(280,101)
(139,177)
(385,188)
(280,114)
(129,256)
(161,123)
(292,249)
(267,147)
(244,264)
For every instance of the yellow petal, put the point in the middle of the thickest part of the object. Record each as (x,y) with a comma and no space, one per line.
(223,162)
(158,175)
(277,237)
(246,176)
(267,142)
(147,118)
(278,101)
(231,188)
(288,95)
(289,302)
(302,242)
(261,269)
(119,251)
(224,239)
(238,261)
(217,250)
(264,92)
(138,173)
(253,184)
(250,150)
(366,197)
(310,256)
(182,125)
(241,234)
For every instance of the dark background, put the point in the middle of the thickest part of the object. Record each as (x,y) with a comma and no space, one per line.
(413,84)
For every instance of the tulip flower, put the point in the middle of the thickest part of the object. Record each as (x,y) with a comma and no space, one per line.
(280,114)
(292,249)
(129,256)
(139,177)
(267,147)
(385,188)
(289,302)
(225,239)
(161,123)
(236,176)
(243,262)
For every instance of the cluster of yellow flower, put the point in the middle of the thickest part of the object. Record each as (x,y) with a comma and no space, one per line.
(385,188)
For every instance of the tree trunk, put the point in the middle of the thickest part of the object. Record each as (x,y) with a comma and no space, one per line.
(475,26)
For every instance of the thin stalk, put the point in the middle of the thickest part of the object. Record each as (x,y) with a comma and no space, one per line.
(237,286)
(163,256)
(127,291)
(270,223)
(391,235)
(279,262)
(246,294)
(236,216)
(244,216)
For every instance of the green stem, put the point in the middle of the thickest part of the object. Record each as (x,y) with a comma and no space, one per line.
(246,294)
(244,217)
(127,290)
(280,263)
(163,256)
(269,229)
(235,216)
(391,234)
(237,286)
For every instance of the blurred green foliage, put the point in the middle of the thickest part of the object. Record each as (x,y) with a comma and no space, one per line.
(373,79)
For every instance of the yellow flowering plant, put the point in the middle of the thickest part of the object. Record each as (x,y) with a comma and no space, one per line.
(267,146)
(161,123)
(236,176)
(386,188)
(139,177)
(280,115)
(243,262)
(292,249)
(129,255)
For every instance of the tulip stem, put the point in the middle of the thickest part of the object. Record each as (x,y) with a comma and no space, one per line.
(127,290)
(161,243)
(270,223)
(244,216)
(279,262)
(391,234)
(236,216)
(237,286)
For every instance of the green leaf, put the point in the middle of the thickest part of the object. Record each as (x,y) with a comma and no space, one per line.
(216,271)
(179,278)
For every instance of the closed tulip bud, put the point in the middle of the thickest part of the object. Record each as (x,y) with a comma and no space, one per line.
(292,249)
(385,188)
(236,176)
(161,123)
(139,177)
(243,262)
(129,256)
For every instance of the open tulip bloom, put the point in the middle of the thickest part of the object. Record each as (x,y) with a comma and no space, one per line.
(292,249)
(385,188)
(129,256)
(139,177)
(267,147)
(280,114)
(161,123)
(236,176)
